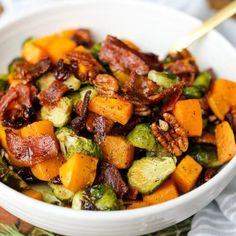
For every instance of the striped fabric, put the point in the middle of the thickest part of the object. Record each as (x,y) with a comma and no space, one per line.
(219,217)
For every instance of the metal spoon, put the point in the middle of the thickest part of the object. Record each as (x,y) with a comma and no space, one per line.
(205,27)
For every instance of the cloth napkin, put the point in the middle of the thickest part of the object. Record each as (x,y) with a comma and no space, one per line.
(219,217)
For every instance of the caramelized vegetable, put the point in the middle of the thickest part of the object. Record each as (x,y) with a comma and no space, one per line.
(136,204)
(115,109)
(165,192)
(188,113)
(33,194)
(78,172)
(225,142)
(118,151)
(186,174)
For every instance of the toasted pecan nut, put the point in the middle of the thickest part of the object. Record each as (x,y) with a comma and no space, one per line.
(106,84)
(175,139)
(142,110)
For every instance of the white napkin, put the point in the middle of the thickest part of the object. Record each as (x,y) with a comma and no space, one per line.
(219,217)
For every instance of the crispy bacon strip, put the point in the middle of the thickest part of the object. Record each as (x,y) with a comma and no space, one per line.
(100,129)
(141,85)
(121,57)
(16,105)
(52,94)
(32,150)
(28,72)
(109,174)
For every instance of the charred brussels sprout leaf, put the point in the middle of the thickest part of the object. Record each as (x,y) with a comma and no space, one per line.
(142,137)
(70,144)
(61,192)
(3,83)
(148,173)
(163,79)
(48,195)
(99,197)
(58,115)
(204,154)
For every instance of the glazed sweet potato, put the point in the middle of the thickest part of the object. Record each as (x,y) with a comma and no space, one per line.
(59,47)
(33,194)
(48,169)
(32,53)
(38,128)
(188,113)
(3,137)
(78,172)
(165,192)
(118,151)
(222,97)
(115,109)
(225,142)
(44,42)
(136,204)
(186,174)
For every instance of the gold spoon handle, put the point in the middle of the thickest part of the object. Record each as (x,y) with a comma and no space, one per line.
(205,27)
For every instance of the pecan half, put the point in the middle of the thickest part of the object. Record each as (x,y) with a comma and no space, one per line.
(142,110)
(106,84)
(175,139)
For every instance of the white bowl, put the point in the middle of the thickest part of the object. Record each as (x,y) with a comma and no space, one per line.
(153,28)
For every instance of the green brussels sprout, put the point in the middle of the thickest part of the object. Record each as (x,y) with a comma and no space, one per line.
(70,144)
(203,81)
(72,83)
(45,81)
(61,192)
(158,151)
(192,92)
(98,197)
(58,115)
(147,173)
(3,83)
(163,79)
(96,49)
(48,195)
(79,95)
(142,137)
(12,65)
(40,232)
(205,154)
(10,178)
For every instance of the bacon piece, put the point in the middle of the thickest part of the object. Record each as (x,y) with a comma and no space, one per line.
(100,129)
(154,99)
(28,72)
(141,85)
(16,105)
(123,58)
(32,150)
(79,123)
(88,66)
(52,94)
(170,104)
(82,37)
(109,174)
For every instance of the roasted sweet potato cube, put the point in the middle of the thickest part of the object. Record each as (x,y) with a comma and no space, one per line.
(186,174)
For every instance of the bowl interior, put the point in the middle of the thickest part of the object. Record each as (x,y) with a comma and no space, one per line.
(154,29)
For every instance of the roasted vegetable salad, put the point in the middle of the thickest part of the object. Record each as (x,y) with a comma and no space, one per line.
(104,126)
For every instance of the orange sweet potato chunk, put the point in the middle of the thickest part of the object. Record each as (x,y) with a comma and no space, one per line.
(137,204)
(33,194)
(222,97)
(165,192)
(118,151)
(188,113)
(115,109)
(186,174)
(78,172)
(225,142)
(59,47)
